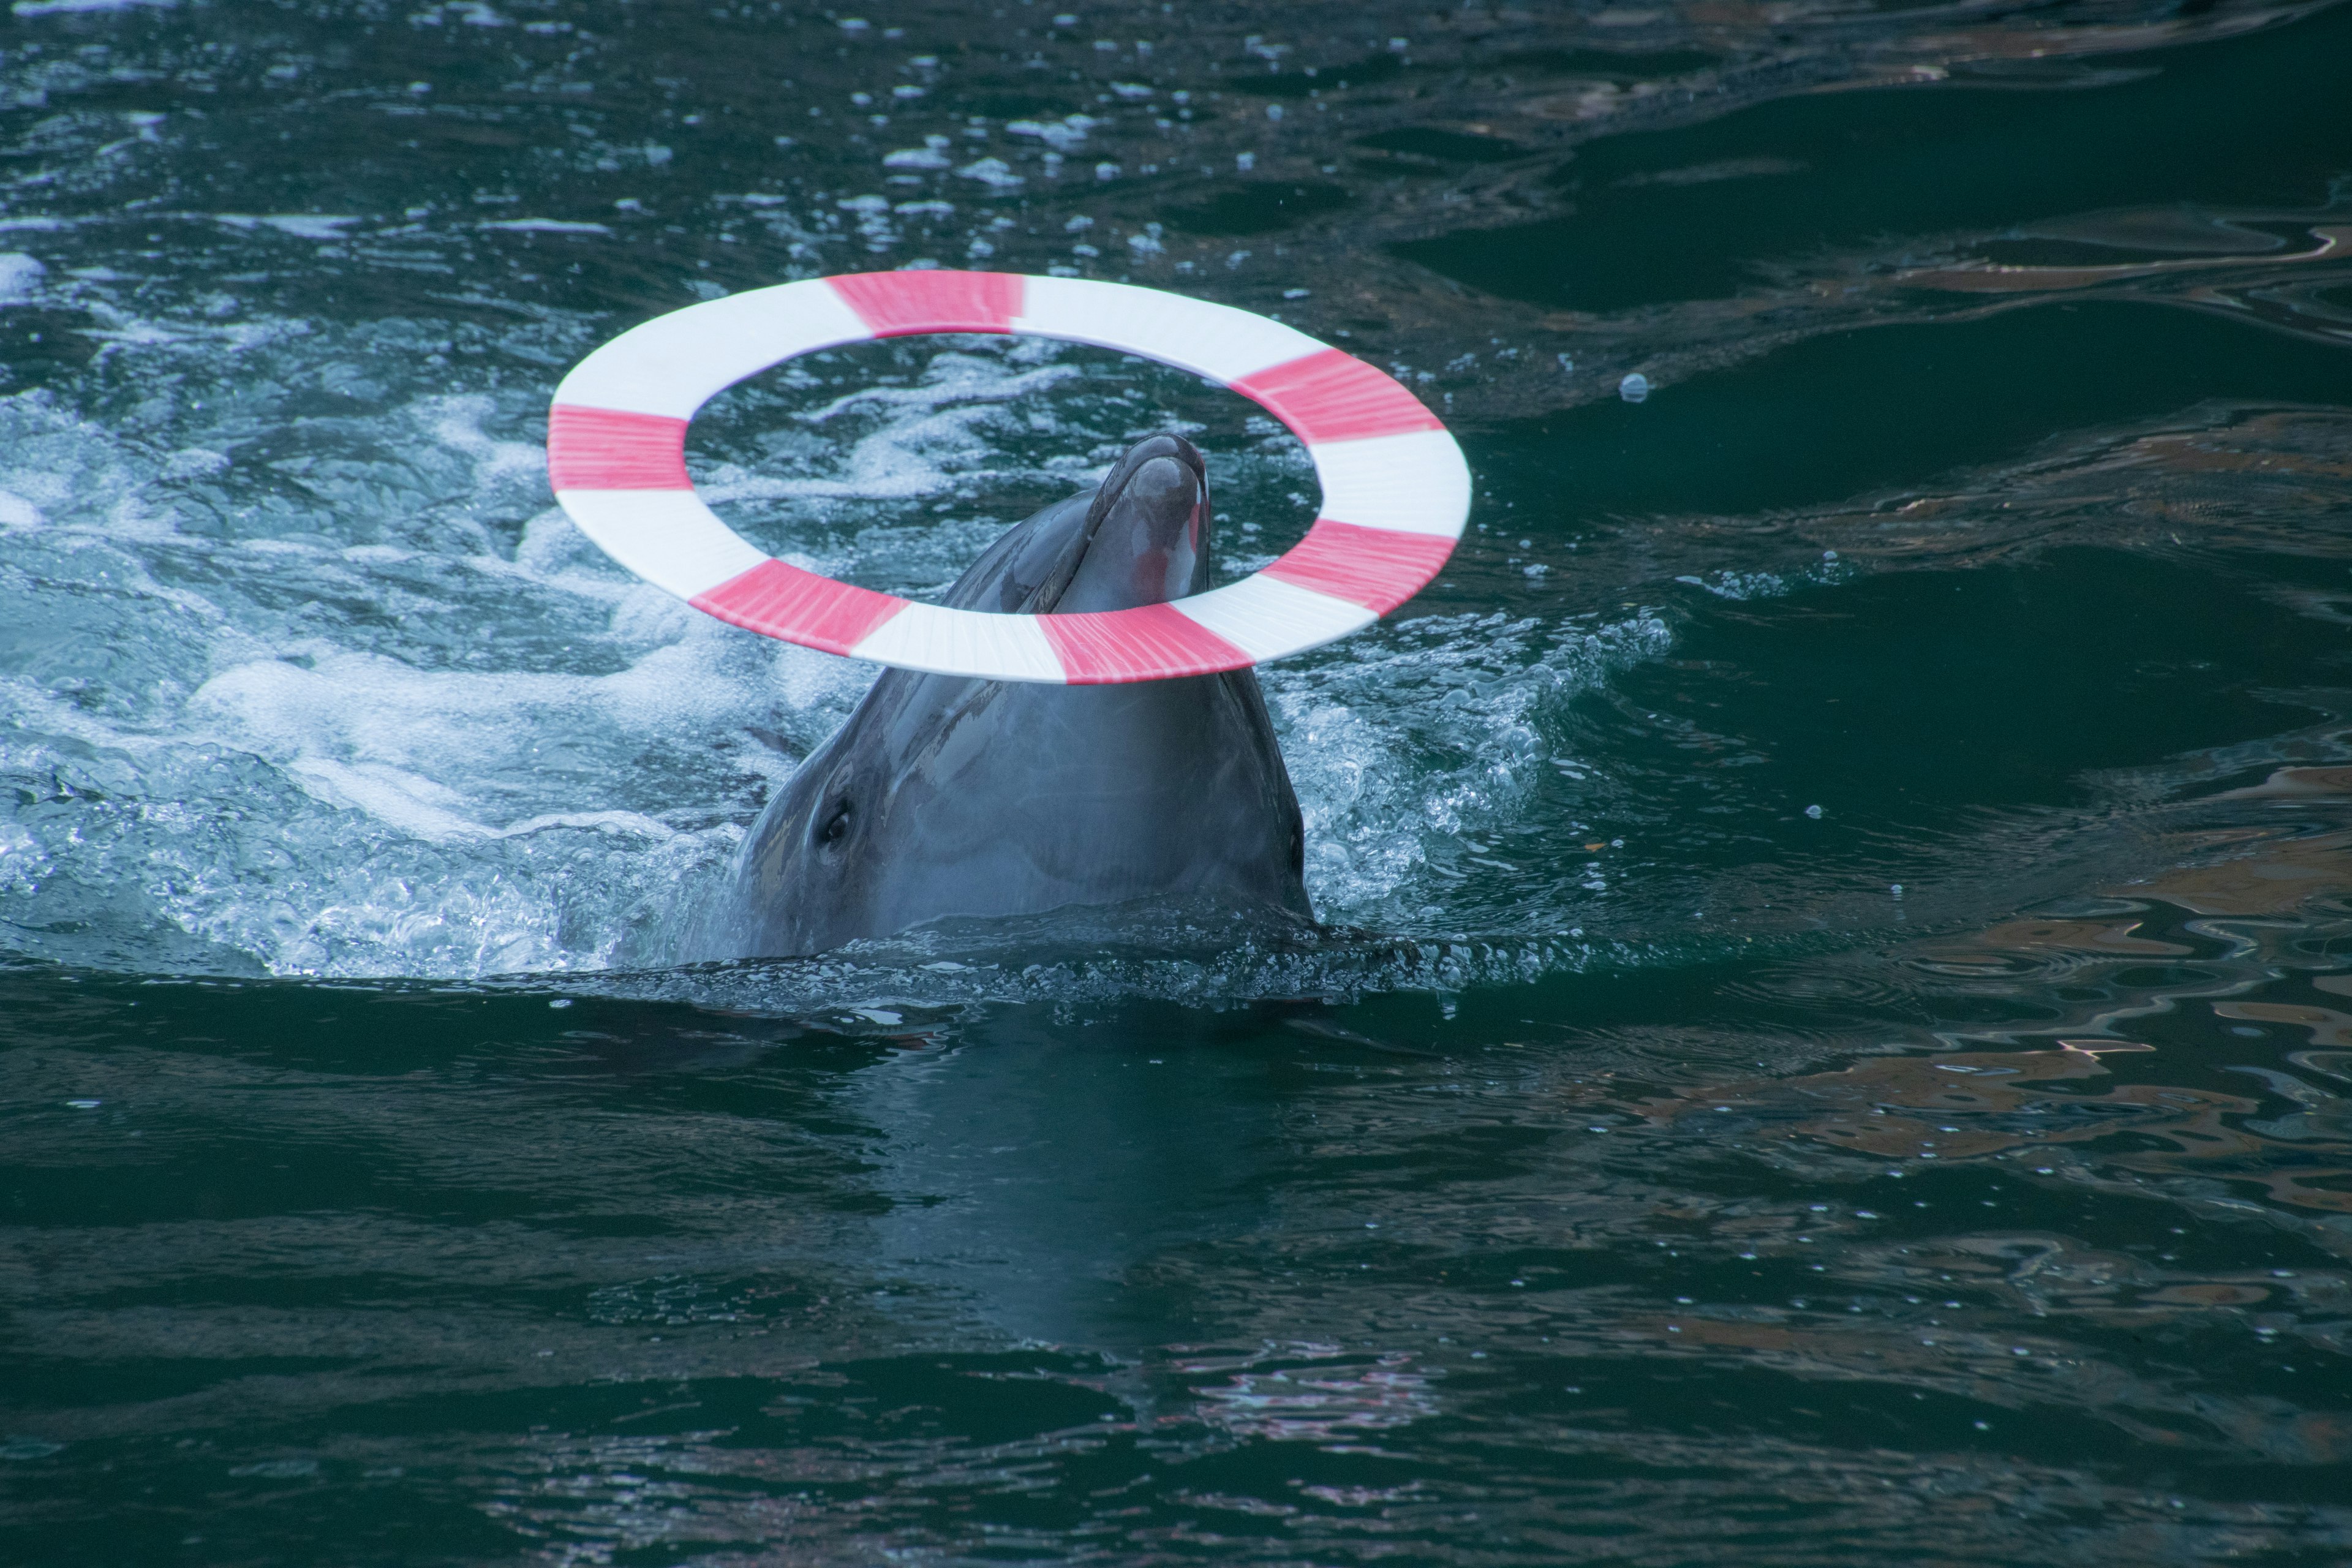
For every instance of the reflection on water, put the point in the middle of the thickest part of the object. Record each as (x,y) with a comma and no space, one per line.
(2047,1213)
(1832,1040)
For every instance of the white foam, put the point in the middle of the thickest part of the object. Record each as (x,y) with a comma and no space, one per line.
(370,712)
(301,225)
(63,7)
(1411,735)
(546,226)
(20,275)
(382,798)
(409,802)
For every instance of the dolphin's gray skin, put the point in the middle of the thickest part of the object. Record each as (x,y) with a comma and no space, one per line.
(945,796)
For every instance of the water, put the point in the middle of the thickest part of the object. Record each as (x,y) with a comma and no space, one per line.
(1832,1039)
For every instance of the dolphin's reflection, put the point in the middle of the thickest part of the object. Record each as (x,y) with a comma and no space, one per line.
(1044,1181)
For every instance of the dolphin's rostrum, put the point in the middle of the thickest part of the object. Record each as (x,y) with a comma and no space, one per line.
(944,796)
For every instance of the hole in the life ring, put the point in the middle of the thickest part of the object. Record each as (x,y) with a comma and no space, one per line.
(893,464)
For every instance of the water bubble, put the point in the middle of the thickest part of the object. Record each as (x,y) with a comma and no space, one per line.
(1634,387)
(1814,812)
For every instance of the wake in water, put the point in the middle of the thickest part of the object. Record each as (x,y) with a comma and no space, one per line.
(300,674)
(336,691)
(307,678)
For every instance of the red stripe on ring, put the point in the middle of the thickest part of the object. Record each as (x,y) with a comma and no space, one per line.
(1149,642)
(1378,568)
(899,304)
(1331,396)
(781,601)
(607,449)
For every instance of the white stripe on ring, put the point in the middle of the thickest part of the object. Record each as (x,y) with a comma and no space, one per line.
(675,363)
(1413,483)
(1267,617)
(963,642)
(1199,335)
(666,537)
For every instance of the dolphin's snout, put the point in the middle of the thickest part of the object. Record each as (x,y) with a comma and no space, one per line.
(1147,533)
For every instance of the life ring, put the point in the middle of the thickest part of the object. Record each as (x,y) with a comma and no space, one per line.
(1396,491)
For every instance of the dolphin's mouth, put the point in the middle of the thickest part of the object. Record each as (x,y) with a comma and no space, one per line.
(1143,539)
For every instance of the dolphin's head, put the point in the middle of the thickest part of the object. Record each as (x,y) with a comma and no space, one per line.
(942,796)
(1142,537)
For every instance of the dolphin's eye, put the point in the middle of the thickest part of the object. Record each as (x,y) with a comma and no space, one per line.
(836,825)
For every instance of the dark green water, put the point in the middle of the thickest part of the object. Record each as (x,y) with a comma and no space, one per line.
(1833,1039)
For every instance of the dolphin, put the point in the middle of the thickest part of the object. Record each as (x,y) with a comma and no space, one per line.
(944,796)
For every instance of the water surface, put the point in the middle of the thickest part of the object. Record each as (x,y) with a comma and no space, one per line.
(1831,1037)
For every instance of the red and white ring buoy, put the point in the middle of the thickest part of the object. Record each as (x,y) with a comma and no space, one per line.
(1395,489)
